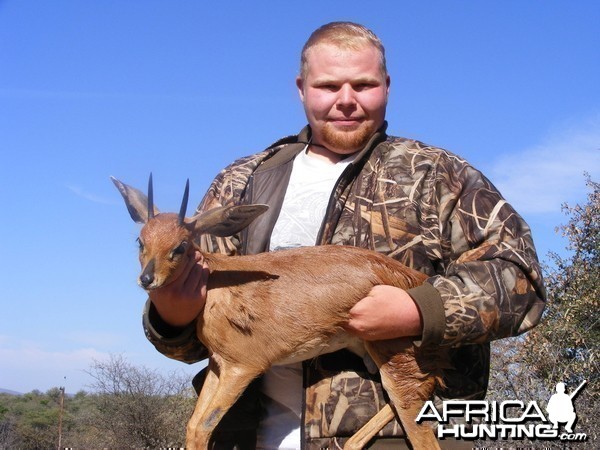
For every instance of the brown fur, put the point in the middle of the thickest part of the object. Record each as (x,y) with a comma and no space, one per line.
(262,308)
(281,307)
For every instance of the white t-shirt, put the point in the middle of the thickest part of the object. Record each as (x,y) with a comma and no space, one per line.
(304,206)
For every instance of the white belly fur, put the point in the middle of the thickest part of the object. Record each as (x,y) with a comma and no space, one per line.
(335,343)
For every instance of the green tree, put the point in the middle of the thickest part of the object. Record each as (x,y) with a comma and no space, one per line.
(564,346)
(28,421)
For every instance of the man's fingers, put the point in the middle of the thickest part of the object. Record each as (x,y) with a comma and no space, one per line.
(202,286)
(190,264)
(198,274)
(387,312)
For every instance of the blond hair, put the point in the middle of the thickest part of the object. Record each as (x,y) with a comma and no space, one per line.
(346,36)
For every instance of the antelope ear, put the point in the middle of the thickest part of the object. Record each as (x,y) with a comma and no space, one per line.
(135,200)
(226,220)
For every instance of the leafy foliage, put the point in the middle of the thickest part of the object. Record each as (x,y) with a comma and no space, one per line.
(130,407)
(29,421)
(564,346)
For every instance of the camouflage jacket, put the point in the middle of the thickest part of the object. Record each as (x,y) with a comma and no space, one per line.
(422,206)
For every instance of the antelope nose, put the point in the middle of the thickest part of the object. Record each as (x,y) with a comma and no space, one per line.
(146,279)
(147,275)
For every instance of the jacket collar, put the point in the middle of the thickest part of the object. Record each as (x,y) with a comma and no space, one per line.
(295,144)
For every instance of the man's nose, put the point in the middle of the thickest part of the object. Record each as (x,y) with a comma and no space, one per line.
(346,96)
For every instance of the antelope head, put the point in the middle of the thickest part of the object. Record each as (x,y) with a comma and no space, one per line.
(166,241)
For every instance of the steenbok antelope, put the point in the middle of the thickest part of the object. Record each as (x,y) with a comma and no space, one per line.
(279,308)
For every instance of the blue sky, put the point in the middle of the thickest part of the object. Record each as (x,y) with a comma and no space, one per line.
(90,89)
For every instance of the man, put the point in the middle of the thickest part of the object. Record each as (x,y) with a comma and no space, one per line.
(342,180)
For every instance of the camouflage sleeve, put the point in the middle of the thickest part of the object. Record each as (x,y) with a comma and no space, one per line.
(492,284)
(176,343)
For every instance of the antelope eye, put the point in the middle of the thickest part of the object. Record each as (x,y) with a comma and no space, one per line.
(140,244)
(180,249)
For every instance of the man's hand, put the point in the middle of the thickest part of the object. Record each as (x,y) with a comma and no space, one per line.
(387,312)
(179,302)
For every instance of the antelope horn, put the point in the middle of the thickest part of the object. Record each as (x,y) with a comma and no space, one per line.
(184,202)
(150,198)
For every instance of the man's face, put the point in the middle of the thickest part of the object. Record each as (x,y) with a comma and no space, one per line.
(345,95)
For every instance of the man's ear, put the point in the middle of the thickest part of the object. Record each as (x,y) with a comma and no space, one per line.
(300,86)
(388,81)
